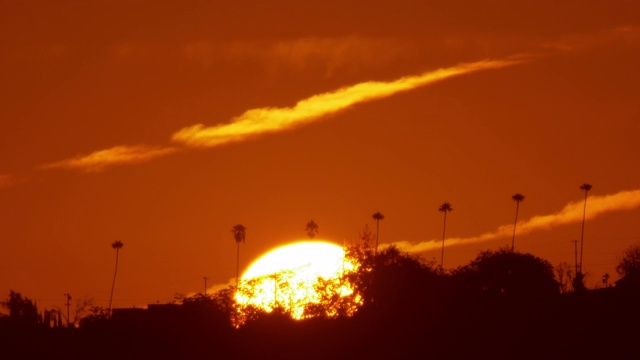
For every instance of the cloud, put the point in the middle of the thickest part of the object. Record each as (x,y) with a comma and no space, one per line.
(118,155)
(333,54)
(260,121)
(255,122)
(582,42)
(571,213)
(328,54)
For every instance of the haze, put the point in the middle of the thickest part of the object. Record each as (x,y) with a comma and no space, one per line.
(101,103)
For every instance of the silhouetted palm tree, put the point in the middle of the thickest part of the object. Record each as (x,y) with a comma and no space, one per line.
(312,229)
(586,188)
(445,208)
(239,234)
(117,245)
(518,199)
(377,217)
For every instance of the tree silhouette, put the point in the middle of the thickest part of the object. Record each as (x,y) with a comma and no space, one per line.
(393,281)
(630,262)
(96,316)
(404,288)
(564,274)
(366,237)
(518,199)
(445,208)
(312,229)
(117,245)
(510,273)
(377,217)
(629,269)
(22,311)
(239,234)
(586,188)
(578,282)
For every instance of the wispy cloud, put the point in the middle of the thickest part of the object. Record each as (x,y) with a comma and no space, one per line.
(334,54)
(260,121)
(581,42)
(571,213)
(328,54)
(117,155)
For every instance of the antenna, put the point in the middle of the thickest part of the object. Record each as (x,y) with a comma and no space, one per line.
(205,285)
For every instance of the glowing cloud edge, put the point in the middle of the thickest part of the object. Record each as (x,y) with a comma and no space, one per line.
(571,213)
(260,121)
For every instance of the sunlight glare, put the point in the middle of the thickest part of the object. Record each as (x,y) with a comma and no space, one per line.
(288,277)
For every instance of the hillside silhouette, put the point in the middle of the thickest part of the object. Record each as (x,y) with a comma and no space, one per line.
(502,305)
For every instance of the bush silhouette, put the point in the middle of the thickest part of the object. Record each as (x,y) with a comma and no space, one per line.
(509,273)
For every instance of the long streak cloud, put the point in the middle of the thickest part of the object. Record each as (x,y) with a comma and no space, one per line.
(571,213)
(260,121)
(117,155)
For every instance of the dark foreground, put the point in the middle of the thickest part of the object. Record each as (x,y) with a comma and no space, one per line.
(602,323)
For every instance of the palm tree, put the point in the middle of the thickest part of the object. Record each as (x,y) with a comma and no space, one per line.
(586,188)
(239,234)
(312,229)
(117,245)
(377,217)
(518,199)
(445,208)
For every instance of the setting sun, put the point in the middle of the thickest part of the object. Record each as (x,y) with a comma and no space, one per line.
(296,277)
(318,179)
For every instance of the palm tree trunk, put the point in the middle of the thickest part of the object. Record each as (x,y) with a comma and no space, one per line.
(575,245)
(513,239)
(377,233)
(584,215)
(238,264)
(113,284)
(444,228)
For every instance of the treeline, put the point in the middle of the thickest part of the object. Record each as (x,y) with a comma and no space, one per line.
(502,305)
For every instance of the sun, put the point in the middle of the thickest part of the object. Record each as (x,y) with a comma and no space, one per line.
(303,279)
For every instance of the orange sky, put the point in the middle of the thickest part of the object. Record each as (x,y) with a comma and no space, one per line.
(163,125)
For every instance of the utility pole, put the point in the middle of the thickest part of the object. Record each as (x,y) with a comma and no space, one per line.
(205,285)
(68,304)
